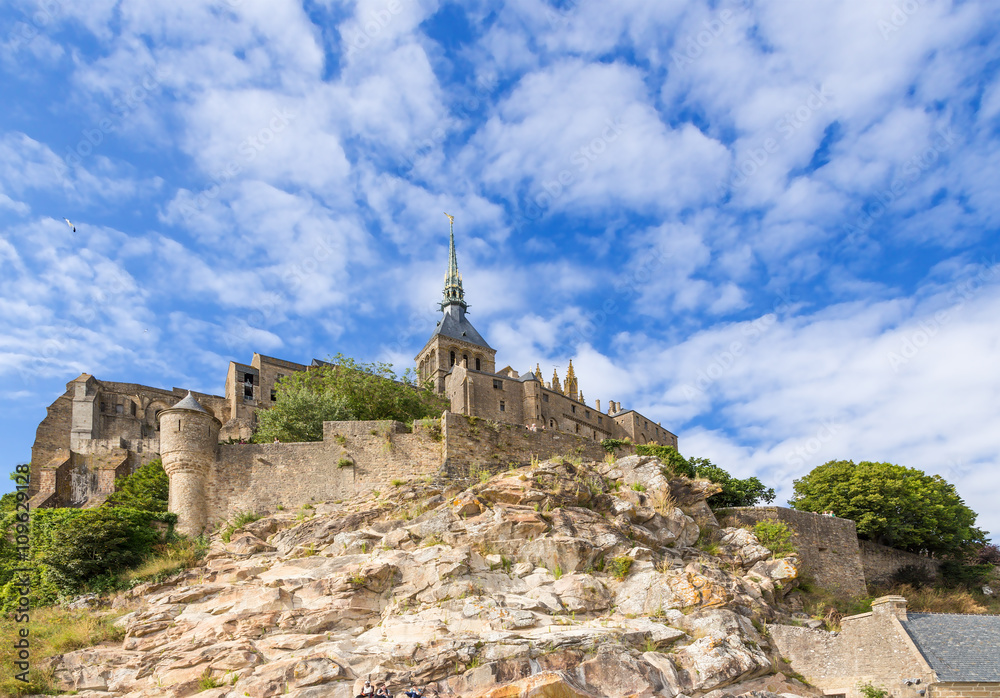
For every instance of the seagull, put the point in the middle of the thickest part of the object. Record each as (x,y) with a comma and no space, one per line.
(70,224)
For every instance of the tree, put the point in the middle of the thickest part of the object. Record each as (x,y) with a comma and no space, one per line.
(344,390)
(897,506)
(736,492)
(148,488)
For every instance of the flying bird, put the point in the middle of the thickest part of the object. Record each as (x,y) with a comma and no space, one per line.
(70,224)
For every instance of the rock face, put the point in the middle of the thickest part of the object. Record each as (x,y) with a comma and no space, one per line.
(556,580)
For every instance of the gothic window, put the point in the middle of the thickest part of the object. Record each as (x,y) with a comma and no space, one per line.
(498,385)
(503,407)
(478,365)
(452,358)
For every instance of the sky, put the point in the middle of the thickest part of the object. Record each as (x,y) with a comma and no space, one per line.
(767,225)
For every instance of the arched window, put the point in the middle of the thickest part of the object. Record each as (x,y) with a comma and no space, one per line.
(477,364)
(465,360)
(452,358)
(552,424)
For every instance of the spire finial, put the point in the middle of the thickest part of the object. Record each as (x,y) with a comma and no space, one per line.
(454,294)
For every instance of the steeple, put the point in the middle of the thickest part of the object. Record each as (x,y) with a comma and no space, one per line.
(538,374)
(571,387)
(454,294)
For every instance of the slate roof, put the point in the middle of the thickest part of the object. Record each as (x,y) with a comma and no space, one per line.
(958,647)
(454,324)
(190,403)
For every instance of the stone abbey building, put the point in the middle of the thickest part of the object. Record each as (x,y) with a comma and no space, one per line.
(99,430)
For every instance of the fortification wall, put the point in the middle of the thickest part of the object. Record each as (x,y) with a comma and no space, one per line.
(261,477)
(474,444)
(882,562)
(827,546)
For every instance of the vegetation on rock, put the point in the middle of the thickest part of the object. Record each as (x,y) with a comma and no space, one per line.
(897,506)
(146,489)
(343,390)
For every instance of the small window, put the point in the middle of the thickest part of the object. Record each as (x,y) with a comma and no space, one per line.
(465,360)
(120,409)
(577,428)
(573,408)
(478,365)
(133,408)
(452,358)
(497,384)
(274,396)
(600,419)
(503,407)
(588,414)
(545,397)
(552,423)
(104,407)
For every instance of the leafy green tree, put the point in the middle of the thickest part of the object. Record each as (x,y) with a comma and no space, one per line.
(146,489)
(736,492)
(893,505)
(344,390)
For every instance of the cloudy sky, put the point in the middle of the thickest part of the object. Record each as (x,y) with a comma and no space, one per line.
(767,224)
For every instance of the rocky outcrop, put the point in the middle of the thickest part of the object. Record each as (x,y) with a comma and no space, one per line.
(554,580)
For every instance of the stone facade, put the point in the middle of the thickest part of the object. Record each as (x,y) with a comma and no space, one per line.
(826,545)
(211,482)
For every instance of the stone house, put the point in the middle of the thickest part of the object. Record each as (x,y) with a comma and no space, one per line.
(910,655)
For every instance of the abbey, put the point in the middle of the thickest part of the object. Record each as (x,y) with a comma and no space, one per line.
(98,430)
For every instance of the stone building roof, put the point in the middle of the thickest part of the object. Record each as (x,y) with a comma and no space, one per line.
(189,403)
(957,647)
(454,324)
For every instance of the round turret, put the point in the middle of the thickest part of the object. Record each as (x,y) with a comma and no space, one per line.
(189,436)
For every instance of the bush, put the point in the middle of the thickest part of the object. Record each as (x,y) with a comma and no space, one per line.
(912,575)
(619,567)
(147,489)
(959,575)
(870,690)
(775,536)
(76,550)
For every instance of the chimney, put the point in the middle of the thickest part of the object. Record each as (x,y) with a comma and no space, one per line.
(890,606)
(597,405)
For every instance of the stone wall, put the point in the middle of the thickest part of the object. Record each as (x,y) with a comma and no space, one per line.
(51,437)
(350,460)
(478,444)
(870,648)
(882,562)
(827,546)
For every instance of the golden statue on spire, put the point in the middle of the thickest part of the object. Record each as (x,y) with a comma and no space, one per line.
(451,218)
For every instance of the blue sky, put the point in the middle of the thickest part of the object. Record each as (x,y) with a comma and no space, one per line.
(771,226)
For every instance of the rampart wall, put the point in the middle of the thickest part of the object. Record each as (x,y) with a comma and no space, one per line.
(827,546)
(882,562)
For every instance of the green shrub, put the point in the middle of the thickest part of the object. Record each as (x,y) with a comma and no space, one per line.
(775,536)
(147,489)
(870,690)
(619,566)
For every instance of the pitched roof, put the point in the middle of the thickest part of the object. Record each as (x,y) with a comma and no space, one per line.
(454,324)
(189,403)
(957,647)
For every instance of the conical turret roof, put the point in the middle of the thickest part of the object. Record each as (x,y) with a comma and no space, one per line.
(189,403)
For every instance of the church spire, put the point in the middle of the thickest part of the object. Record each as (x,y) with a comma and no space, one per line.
(454,294)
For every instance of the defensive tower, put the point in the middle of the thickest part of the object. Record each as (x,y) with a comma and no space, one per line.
(189,437)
